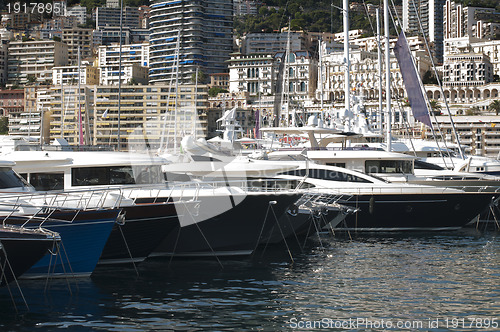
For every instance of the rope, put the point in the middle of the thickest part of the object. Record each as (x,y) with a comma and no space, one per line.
(128,249)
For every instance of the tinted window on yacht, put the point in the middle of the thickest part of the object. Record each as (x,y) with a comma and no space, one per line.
(10,179)
(47,181)
(326,174)
(388,166)
(115,175)
(423,165)
(336,164)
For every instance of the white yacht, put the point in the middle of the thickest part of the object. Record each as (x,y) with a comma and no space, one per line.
(387,206)
(182,219)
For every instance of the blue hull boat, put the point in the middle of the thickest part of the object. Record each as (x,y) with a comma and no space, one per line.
(83,233)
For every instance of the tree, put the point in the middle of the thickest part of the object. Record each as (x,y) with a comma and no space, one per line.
(4,125)
(215,90)
(31,79)
(435,107)
(429,78)
(495,106)
(201,77)
(473,111)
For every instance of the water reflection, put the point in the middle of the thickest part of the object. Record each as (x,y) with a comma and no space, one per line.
(377,276)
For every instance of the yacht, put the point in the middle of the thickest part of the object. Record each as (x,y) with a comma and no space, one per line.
(217,216)
(21,248)
(387,206)
(83,226)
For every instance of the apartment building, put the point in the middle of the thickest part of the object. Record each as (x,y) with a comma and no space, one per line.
(467,70)
(68,75)
(480,133)
(72,113)
(33,121)
(79,42)
(130,53)
(111,35)
(426,15)
(273,42)
(145,118)
(466,21)
(4,51)
(79,12)
(220,80)
(246,7)
(109,16)
(134,63)
(254,74)
(205,29)
(32,61)
(11,102)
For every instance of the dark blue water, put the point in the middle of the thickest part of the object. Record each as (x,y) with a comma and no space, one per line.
(436,282)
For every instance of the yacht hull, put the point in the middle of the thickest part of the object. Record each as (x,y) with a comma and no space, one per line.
(83,237)
(302,223)
(145,227)
(414,212)
(235,231)
(19,251)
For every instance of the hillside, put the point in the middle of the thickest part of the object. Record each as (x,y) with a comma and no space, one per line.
(308,15)
(317,15)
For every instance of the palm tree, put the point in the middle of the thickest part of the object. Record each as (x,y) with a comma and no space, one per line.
(435,107)
(475,110)
(495,105)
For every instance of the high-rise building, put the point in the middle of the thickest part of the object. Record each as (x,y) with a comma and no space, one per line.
(79,12)
(205,28)
(105,16)
(460,21)
(246,7)
(79,41)
(262,42)
(32,61)
(425,17)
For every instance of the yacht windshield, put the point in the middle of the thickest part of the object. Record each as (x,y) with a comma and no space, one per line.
(326,174)
(10,179)
(116,175)
(389,166)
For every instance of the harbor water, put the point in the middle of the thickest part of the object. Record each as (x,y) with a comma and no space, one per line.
(433,281)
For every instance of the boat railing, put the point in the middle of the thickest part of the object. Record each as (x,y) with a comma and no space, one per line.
(40,230)
(319,201)
(71,199)
(29,213)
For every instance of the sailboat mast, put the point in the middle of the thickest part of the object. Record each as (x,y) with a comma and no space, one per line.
(286,78)
(79,95)
(387,75)
(120,75)
(62,107)
(380,87)
(195,111)
(347,61)
(321,72)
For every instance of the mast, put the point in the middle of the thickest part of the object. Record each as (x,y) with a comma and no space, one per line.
(176,89)
(347,61)
(387,75)
(62,106)
(380,88)
(176,54)
(321,73)
(80,125)
(195,112)
(120,74)
(286,76)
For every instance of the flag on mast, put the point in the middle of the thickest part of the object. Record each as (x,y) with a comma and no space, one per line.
(411,81)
